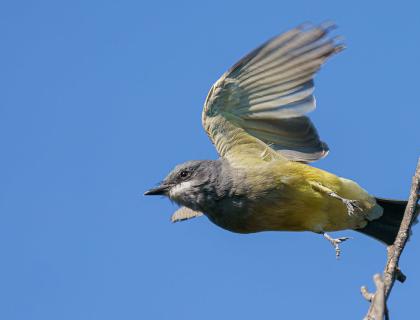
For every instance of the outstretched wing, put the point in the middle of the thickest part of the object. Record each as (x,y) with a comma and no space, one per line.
(257,108)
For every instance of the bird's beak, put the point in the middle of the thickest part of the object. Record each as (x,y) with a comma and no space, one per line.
(161,190)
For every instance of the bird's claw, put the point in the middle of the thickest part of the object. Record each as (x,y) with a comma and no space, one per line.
(352,205)
(335,243)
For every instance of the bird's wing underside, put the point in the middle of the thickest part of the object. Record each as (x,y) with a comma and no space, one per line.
(257,108)
(184,213)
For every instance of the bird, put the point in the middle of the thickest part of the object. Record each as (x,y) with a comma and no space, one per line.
(255,114)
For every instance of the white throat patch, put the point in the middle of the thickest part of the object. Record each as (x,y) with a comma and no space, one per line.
(179,189)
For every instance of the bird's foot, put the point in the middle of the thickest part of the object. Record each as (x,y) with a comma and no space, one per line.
(352,206)
(335,243)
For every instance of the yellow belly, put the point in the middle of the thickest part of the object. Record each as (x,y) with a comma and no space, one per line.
(288,201)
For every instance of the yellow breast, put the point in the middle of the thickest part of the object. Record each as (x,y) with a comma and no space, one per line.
(283,198)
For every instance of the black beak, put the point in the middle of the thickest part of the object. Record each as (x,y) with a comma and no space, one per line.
(158,191)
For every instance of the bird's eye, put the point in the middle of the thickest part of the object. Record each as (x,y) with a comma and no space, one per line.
(184,174)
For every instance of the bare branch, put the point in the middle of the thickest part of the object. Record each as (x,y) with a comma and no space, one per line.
(377,309)
(377,300)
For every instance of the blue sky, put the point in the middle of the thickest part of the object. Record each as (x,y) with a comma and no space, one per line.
(100,99)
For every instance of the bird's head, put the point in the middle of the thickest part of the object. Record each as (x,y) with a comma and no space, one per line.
(190,183)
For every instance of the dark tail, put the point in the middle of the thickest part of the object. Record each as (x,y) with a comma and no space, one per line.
(385,228)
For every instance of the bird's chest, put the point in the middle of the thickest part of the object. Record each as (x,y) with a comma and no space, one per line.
(243,215)
(232,214)
(278,208)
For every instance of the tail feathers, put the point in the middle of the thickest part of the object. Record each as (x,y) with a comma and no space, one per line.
(385,229)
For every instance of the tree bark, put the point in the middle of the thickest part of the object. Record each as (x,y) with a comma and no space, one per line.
(377,309)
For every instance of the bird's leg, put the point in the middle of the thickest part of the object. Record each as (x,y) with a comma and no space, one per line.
(266,155)
(351,205)
(335,243)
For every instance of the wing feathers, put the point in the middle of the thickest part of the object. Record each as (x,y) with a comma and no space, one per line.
(264,49)
(271,109)
(266,95)
(184,213)
(256,100)
(281,48)
(311,60)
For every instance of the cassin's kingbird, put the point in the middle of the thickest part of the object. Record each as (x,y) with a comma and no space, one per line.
(255,115)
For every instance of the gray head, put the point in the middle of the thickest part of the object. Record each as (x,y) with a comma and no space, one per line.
(192,184)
